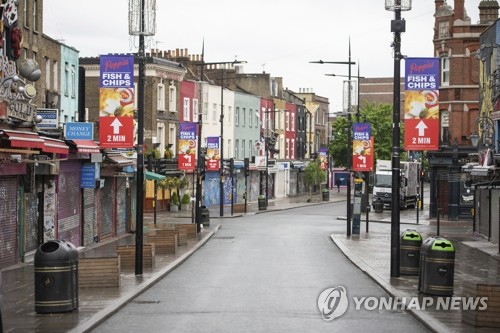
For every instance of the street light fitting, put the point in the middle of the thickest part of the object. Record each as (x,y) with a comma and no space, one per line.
(358,77)
(321,62)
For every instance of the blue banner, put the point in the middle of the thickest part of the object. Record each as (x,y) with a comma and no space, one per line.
(117,71)
(422,73)
(79,131)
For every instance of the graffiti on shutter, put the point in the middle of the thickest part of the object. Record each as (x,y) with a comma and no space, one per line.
(31,220)
(8,216)
(107,204)
(121,206)
(68,217)
(88,216)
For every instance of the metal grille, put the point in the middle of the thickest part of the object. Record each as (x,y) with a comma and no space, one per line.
(88,216)
(121,206)
(107,204)
(31,220)
(8,216)
(69,202)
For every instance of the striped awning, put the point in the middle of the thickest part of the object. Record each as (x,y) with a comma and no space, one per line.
(21,139)
(85,146)
(54,146)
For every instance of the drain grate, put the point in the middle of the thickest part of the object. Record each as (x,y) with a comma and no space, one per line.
(146,302)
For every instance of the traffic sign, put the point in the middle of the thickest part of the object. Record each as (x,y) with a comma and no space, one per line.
(116,132)
(421,134)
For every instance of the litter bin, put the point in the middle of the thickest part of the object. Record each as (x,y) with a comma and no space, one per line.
(378,206)
(262,203)
(56,277)
(326,195)
(205,216)
(409,256)
(437,267)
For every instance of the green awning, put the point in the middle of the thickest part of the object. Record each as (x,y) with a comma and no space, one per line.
(149,175)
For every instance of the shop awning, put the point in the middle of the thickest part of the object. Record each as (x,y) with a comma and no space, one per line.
(85,146)
(54,146)
(20,139)
(119,159)
(150,175)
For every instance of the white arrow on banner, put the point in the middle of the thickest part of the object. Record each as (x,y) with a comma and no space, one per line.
(116,124)
(421,128)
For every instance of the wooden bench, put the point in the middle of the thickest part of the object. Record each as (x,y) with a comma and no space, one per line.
(189,229)
(99,272)
(181,235)
(127,255)
(165,242)
(489,317)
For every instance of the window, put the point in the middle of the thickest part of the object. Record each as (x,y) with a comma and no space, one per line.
(243,117)
(287,121)
(243,149)
(229,115)
(47,73)
(287,147)
(205,111)
(228,146)
(196,110)
(35,15)
(214,112)
(250,148)
(250,118)
(73,81)
(236,145)
(293,122)
(172,138)
(445,71)
(185,109)
(160,102)
(237,117)
(444,29)
(56,75)
(172,98)
(26,17)
(292,152)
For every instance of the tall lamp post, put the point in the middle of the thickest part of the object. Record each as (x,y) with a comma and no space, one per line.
(349,137)
(221,165)
(142,22)
(397,26)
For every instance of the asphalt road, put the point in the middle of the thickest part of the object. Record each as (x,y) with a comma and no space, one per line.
(263,273)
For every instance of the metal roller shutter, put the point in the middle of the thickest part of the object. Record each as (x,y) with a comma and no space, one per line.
(107,204)
(121,206)
(31,221)
(89,230)
(69,202)
(8,221)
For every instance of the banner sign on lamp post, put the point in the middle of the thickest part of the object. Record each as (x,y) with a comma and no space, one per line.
(421,108)
(362,147)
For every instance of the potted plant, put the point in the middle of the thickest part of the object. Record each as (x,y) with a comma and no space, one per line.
(261,199)
(174,202)
(185,200)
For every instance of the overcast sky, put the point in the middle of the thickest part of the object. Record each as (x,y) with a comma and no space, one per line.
(279,37)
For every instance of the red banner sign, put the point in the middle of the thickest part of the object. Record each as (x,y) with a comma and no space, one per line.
(116,132)
(421,134)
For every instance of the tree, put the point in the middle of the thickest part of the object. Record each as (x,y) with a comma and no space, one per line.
(380,118)
(313,175)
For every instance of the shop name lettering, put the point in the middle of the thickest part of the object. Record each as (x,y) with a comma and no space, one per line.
(79,131)
(23,111)
(116,79)
(421,82)
(187,135)
(361,136)
(110,65)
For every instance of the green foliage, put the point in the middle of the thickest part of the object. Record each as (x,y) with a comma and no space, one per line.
(313,174)
(380,118)
(185,199)
(174,199)
(152,151)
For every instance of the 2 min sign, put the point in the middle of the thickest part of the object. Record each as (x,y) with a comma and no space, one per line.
(116,132)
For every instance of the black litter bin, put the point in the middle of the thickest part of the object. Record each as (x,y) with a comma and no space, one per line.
(262,203)
(326,195)
(409,258)
(56,277)
(437,267)
(378,206)
(205,216)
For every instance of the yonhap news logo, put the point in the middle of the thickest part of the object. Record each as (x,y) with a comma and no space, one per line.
(333,303)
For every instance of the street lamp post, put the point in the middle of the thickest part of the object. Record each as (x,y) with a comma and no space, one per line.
(349,137)
(221,165)
(142,22)
(397,26)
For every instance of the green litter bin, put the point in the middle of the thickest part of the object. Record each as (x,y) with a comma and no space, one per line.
(409,256)
(437,267)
